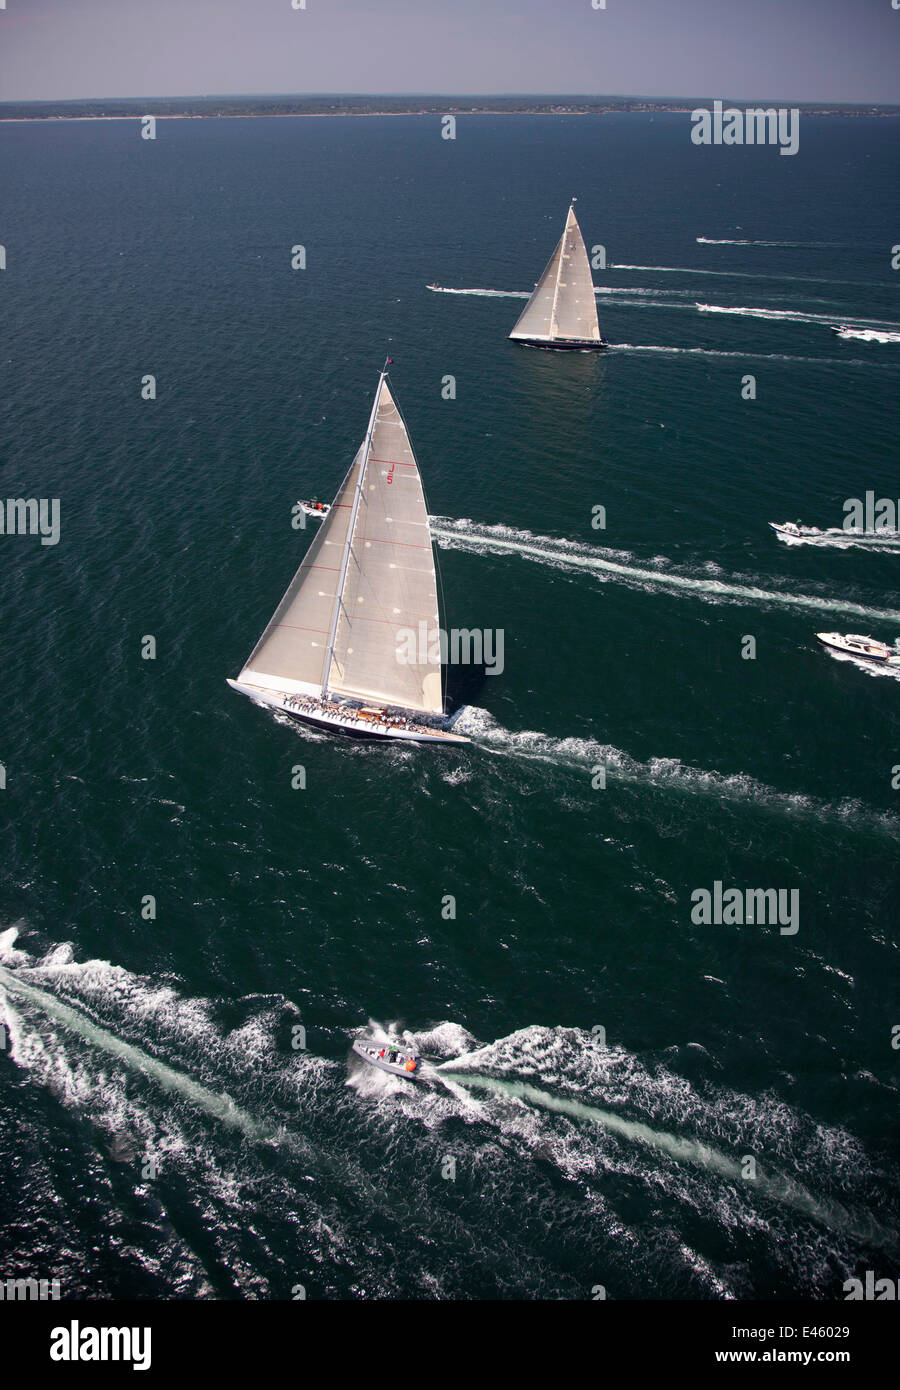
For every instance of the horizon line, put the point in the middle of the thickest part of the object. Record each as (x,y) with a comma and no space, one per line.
(409,96)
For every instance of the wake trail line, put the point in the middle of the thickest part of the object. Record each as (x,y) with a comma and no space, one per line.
(775,1187)
(755,275)
(468,535)
(748,356)
(795,245)
(836,538)
(798,316)
(219,1106)
(667,774)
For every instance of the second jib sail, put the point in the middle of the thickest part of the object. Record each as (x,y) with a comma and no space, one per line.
(562,312)
(336,652)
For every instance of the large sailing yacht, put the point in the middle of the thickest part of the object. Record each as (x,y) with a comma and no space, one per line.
(332,653)
(562,312)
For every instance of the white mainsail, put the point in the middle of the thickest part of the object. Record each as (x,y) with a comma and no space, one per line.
(563,307)
(368,575)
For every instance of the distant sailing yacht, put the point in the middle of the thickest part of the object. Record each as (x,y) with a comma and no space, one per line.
(330,655)
(562,312)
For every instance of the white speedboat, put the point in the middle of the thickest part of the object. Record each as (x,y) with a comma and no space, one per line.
(866,648)
(785,528)
(319,510)
(400,1061)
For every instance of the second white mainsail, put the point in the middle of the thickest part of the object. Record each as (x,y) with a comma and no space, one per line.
(562,311)
(368,576)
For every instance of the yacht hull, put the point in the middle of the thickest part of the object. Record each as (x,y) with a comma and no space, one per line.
(569,345)
(888,659)
(355,726)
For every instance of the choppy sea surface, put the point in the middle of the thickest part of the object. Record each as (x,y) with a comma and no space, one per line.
(616,1094)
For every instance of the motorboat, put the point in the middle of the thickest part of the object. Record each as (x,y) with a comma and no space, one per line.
(399,1060)
(866,648)
(318,510)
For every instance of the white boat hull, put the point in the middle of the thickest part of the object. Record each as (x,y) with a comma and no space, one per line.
(348,723)
(878,652)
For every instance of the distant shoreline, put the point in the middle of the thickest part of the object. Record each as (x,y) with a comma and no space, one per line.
(304,115)
(224,108)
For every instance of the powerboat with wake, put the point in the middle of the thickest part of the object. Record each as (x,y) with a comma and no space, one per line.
(786,528)
(866,648)
(396,1059)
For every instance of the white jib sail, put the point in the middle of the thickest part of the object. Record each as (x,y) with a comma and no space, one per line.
(367,581)
(563,306)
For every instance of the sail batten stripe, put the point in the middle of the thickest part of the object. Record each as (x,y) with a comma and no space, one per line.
(407,545)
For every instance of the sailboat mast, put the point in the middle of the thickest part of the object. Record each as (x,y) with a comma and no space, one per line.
(357,497)
(553,323)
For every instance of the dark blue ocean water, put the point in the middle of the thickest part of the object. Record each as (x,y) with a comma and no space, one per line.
(625,1163)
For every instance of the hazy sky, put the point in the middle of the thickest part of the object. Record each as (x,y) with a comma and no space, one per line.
(812,50)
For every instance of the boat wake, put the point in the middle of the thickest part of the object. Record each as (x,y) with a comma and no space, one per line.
(749,275)
(668,774)
(868,335)
(36,985)
(612,565)
(796,316)
(836,538)
(642,297)
(490,294)
(742,356)
(796,245)
(335,1167)
(871,668)
(574,1069)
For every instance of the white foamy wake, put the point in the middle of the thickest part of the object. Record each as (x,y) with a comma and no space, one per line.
(871,668)
(490,294)
(797,316)
(588,754)
(797,245)
(465,534)
(750,275)
(63,998)
(836,538)
(574,1071)
(742,356)
(219,1106)
(869,335)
